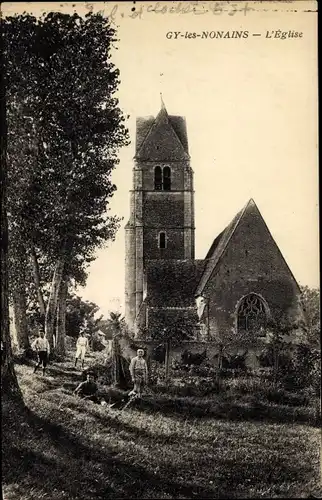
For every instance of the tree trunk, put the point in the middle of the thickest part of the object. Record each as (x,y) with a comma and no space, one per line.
(10,390)
(61,319)
(36,273)
(17,276)
(115,361)
(20,317)
(12,328)
(53,300)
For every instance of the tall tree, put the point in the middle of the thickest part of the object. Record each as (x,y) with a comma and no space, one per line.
(18,178)
(17,273)
(79,129)
(9,385)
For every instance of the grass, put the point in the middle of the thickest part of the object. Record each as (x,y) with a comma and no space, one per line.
(165,447)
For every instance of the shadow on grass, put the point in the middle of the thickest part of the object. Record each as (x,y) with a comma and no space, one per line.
(256,410)
(60,464)
(84,472)
(187,407)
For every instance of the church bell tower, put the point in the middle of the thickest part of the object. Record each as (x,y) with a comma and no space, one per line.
(161,223)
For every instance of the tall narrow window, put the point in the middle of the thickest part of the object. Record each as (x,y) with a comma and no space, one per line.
(162,240)
(166,179)
(162,179)
(158,178)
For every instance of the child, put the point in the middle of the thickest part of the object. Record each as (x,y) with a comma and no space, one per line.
(42,347)
(81,348)
(139,372)
(88,389)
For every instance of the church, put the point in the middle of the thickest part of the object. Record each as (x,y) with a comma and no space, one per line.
(242,285)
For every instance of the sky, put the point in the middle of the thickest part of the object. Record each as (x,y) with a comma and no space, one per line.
(251,111)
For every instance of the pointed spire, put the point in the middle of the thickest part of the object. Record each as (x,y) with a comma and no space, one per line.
(162,103)
(163,114)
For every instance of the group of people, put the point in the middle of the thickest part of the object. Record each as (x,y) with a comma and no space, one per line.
(42,348)
(89,389)
(139,375)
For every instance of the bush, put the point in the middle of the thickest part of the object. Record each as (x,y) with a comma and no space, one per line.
(190,358)
(302,370)
(236,362)
(97,345)
(298,368)
(266,358)
(281,396)
(191,387)
(244,385)
(158,353)
(156,373)
(103,372)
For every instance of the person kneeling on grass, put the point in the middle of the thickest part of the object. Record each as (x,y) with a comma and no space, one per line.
(88,389)
(41,346)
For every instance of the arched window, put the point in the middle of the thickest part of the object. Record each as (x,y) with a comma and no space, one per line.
(158,178)
(162,179)
(162,240)
(166,179)
(251,314)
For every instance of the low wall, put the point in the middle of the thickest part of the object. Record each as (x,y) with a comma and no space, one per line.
(211,350)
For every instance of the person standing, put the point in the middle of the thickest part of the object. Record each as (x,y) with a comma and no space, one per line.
(139,372)
(42,347)
(81,348)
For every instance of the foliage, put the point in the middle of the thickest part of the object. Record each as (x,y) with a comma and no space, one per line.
(65,129)
(74,120)
(297,367)
(310,299)
(144,333)
(190,358)
(191,387)
(156,373)
(114,325)
(178,331)
(282,396)
(303,369)
(267,356)
(102,372)
(80,313)
(158,353)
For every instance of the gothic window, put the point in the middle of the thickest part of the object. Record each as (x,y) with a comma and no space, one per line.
(251,314)
(162,240)
(166,179)
(158,178)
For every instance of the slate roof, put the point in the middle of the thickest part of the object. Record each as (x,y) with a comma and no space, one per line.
(218,247)
(172,283)
(147,126)
(143,125)
(221,242)
(179,126)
